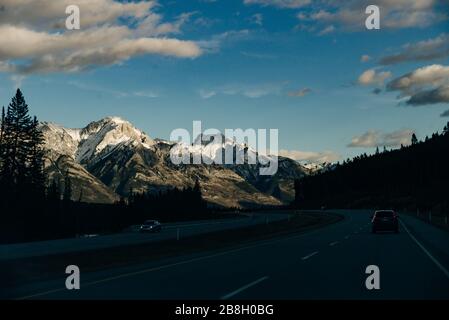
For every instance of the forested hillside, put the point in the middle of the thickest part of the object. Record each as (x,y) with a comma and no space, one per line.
(412,177)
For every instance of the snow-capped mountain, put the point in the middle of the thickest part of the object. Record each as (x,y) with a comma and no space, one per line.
(318,167)
(111,157)
(95,141)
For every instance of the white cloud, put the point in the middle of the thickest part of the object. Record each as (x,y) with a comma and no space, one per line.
(6,67)
(205,22)
(365,58)
(371,76)
(46,14)
(373,139)
(257,18)
(27,47)
(430,96)
(291,4)
(260,91)
(248,91)
(215,43)
(430,49)
(18,80)
(152,25)
(310,156)
(300,93)
(349,15)
(327,30)
(430,75)
(206,94)
(145,94)
(112,92)
(426,85)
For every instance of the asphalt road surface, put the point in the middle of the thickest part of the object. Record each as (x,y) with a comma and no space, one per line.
(326,263)
(131,236)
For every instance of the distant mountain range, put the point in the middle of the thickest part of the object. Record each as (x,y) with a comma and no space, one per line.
(110,157)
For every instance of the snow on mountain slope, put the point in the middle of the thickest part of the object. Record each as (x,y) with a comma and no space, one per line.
(217,149)
(59,140)
(97,139)
(101,137)
(123,158)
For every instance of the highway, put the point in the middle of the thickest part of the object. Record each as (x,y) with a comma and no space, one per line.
(326,263)
(131,236)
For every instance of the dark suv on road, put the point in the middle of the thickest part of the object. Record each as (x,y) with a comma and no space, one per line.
(385,220)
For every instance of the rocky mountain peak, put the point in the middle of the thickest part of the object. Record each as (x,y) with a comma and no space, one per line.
(119,158)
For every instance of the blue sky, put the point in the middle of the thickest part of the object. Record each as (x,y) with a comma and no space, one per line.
(293,65)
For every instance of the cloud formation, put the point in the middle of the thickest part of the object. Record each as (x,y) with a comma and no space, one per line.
(371,76)
(206,94)
(430,49)
(365,58)
(291,4)
(50,14)
(257,18)
(426,85)
(300,93)
(248,91)
(373,139)
(326,16)
(33,38)
(111,92)
(217,41)
(310,156)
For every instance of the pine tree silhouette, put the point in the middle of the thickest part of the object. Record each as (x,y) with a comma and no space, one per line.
(33,210)
(446,129)
(21,167)
(67,196)
(405,178)
(36,161)
(414,139)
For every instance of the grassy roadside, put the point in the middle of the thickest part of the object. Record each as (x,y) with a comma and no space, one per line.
(16,272)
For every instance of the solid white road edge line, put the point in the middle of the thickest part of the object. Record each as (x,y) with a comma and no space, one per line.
(434,260)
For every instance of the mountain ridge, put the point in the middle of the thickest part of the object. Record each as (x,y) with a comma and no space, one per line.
(115,158)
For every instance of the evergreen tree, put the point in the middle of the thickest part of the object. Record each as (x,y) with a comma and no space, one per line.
(54,192)
(21,168)
(2,129)
(446,129)
(197,187)
(17,142)
(414,139)
(67,188)
(2,145)
(36,160)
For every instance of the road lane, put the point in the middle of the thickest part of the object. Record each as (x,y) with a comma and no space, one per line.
(337,272)
(169,231)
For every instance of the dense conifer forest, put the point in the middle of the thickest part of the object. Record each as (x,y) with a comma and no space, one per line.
(409,178)
(34,208)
